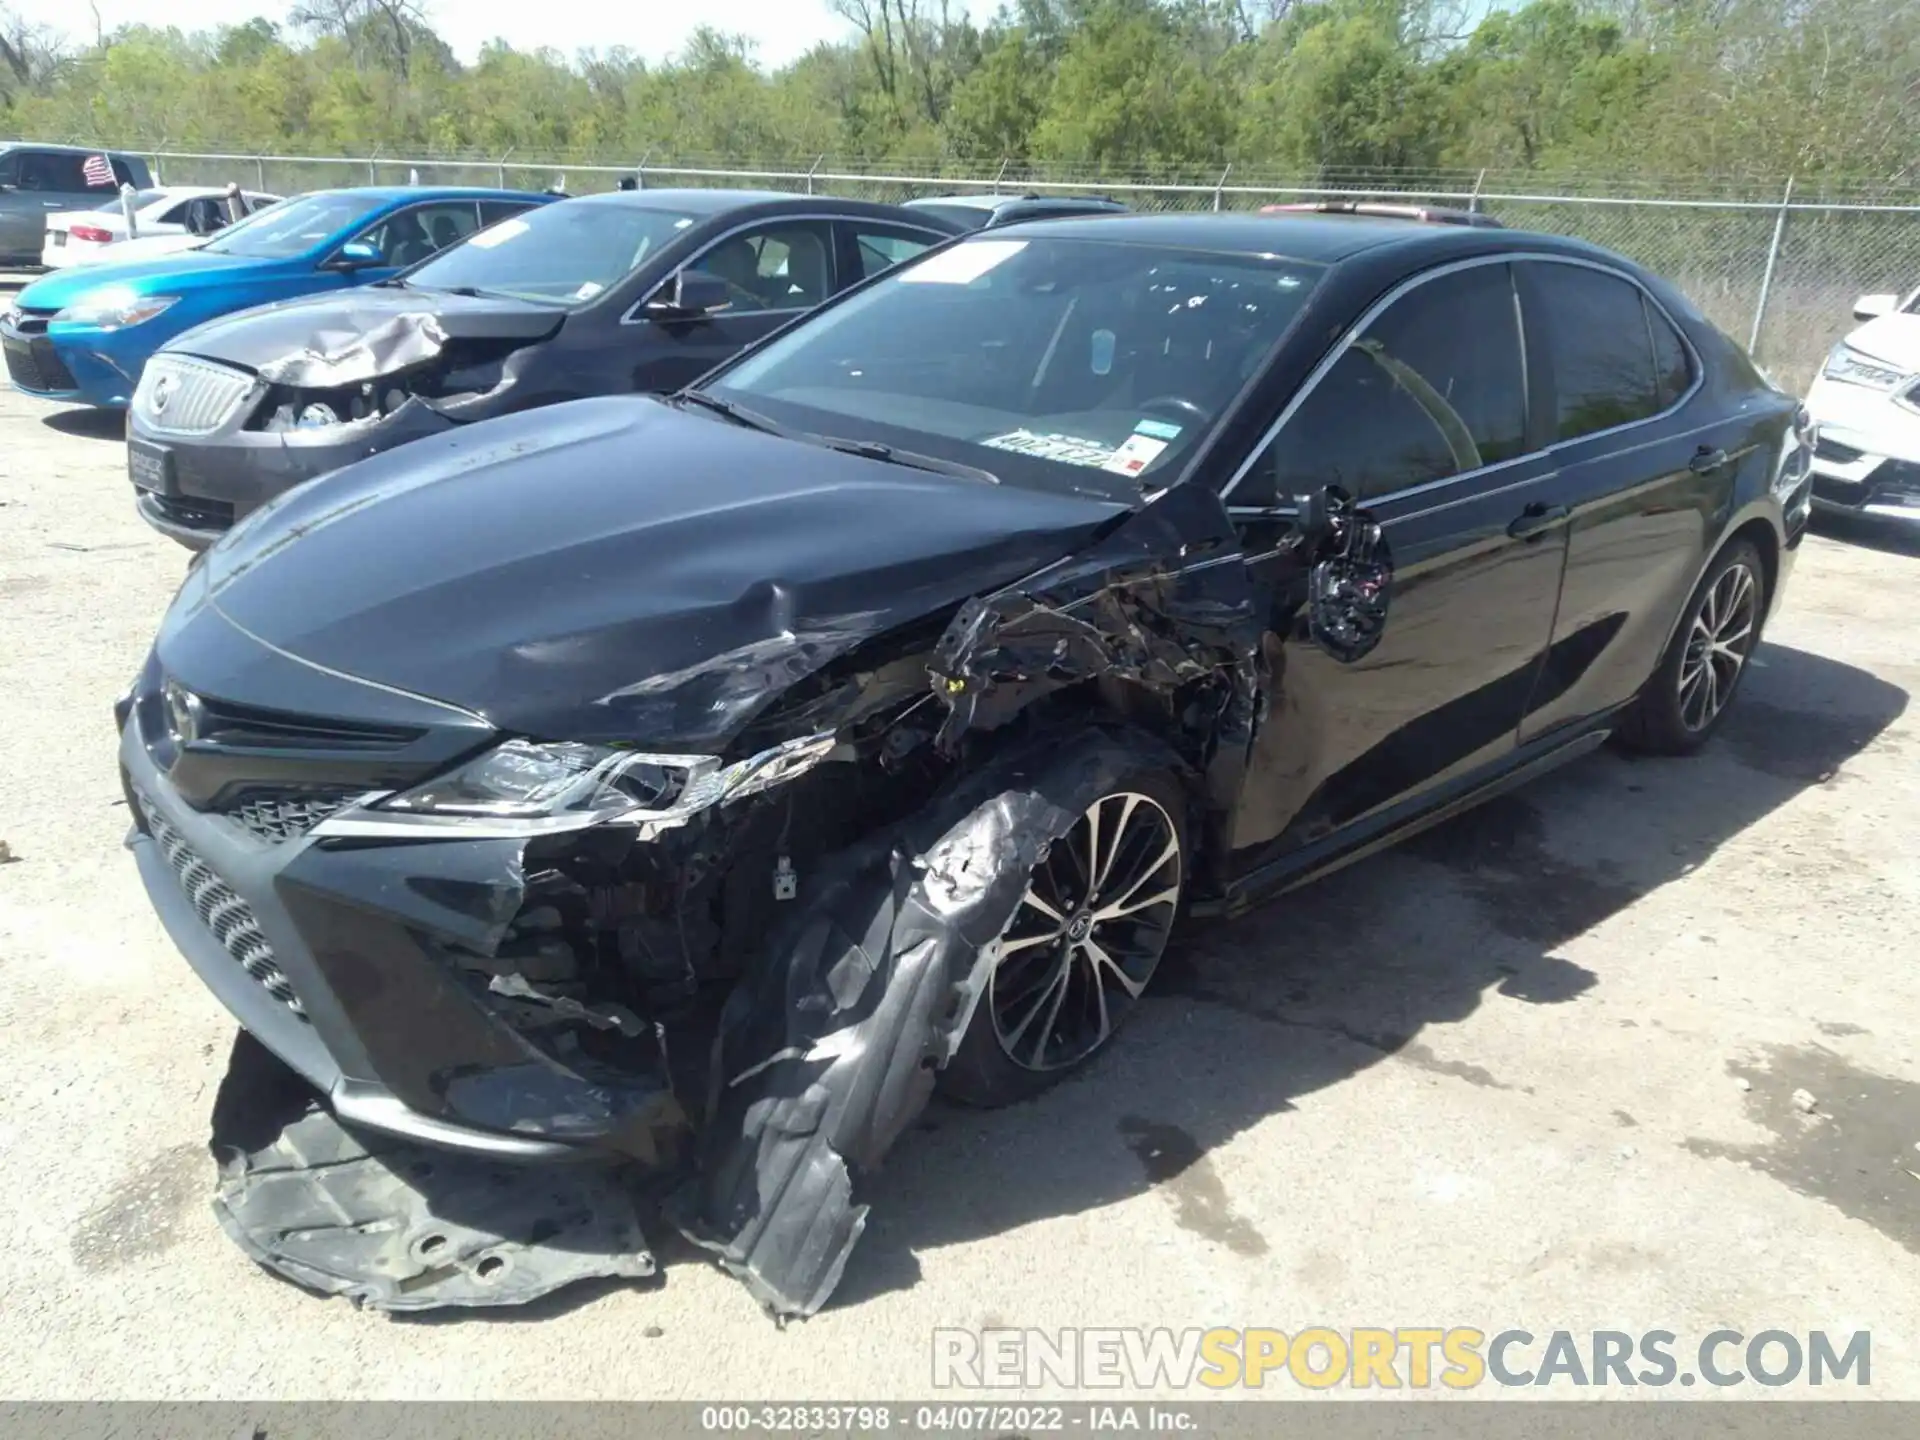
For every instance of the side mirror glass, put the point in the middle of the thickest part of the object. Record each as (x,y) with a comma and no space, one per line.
(1872,307)
(688,295)
(359,255)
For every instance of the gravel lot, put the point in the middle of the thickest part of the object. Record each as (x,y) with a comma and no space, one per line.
(1534,1070)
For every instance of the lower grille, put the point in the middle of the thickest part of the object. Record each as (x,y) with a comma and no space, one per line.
(193,514)
(37,366)
(277,815)
(230,918)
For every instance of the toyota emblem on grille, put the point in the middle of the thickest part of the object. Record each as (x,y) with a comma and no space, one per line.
(162,393)
(183,714)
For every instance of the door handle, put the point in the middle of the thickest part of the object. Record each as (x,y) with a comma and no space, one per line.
(1706,460)
(1536,520)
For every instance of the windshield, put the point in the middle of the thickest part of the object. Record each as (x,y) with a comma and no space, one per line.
(563,254)
(292,227)
(1085,364)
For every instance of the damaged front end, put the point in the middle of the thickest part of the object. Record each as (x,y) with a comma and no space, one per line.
(730,978)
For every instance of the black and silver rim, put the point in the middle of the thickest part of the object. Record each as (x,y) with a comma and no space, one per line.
(1718,643)
(1089,933)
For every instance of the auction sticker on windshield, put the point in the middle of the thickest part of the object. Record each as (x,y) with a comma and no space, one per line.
(498,234)
(1067,449)
(963,264)
(1136,452)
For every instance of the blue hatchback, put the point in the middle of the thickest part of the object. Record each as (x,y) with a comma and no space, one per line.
(84,334)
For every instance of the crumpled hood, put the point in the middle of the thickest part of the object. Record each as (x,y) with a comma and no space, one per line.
(615,569)
(345,337)
(1892,338)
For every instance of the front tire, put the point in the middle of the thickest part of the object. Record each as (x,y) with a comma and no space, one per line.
(1693,687)
(1089,933)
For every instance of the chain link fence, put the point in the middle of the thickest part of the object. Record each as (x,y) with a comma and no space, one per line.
(1778,270)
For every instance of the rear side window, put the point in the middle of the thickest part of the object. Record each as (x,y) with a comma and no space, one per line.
(495,210)
(883,249)
(1601,349)
(1433,387)
(1673,372)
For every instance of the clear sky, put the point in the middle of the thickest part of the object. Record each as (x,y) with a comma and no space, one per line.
(784,29)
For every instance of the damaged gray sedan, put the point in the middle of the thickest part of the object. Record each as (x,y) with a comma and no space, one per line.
(690,787)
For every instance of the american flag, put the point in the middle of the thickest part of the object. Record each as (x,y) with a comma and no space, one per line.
(97,170)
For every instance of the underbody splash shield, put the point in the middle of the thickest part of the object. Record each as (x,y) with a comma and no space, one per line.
(397,1226)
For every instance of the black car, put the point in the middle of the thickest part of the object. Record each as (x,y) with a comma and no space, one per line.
(978,211)
(700,781)
(601,295)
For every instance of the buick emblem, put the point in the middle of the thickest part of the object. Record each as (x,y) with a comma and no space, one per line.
(183,714)
(162,393)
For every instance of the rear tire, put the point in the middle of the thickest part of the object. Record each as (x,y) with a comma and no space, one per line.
(1697,678)
(1088,935)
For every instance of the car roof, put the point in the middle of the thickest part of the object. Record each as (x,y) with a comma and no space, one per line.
(1326,239)
(6,145)
(428,192)
(719,202)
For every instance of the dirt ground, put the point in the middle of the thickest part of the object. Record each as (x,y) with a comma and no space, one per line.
(1535,1070)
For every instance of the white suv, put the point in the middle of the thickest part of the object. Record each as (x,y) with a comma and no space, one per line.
(1866,401)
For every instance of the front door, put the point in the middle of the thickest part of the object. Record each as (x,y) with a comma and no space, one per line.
(1424,418)
(774,271)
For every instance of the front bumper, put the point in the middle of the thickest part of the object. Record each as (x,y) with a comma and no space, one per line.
(1868,458)
(336,959)
(214,481)
(72,363)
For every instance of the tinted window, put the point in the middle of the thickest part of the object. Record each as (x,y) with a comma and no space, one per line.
(1045,360)
(1434,386)
(1361,429)
(1672,369)
(971,216)
(564,254)
(883,249)
(48,170)
(776,267)
(1602,357)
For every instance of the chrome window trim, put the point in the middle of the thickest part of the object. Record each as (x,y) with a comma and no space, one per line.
(1413,282)
(937,237)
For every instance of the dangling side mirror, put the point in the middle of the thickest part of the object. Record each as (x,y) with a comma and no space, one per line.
(1350,580)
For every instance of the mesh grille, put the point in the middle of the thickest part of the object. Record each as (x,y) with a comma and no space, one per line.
(230,918)
(37,366)
(286,814)
(188,397)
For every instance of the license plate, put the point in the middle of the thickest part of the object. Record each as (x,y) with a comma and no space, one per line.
(150,467)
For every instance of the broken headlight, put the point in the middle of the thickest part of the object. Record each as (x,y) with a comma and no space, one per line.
(524,787)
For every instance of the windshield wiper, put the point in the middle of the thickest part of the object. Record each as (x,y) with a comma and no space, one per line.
(738,414)
(912,459)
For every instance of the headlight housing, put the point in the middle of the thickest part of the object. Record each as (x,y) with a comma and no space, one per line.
(1850,367)
(114,308)
(525,788)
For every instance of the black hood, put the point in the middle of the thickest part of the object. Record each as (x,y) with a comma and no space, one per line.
(614,569)
(339,323)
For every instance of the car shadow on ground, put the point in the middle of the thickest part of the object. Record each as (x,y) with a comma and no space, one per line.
(88,423)
(1348,972)
(1891,537)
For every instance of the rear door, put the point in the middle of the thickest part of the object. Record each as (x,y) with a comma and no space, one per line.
(1424,418)
(775,269)
(1646,483)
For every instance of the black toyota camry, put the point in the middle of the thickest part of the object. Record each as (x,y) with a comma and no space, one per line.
(700,782)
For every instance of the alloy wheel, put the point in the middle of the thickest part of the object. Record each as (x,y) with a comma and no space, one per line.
(1089,933)
(1719,640)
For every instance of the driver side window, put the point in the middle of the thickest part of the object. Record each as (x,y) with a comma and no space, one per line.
(777,267)
(1434,387)
(409,236)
